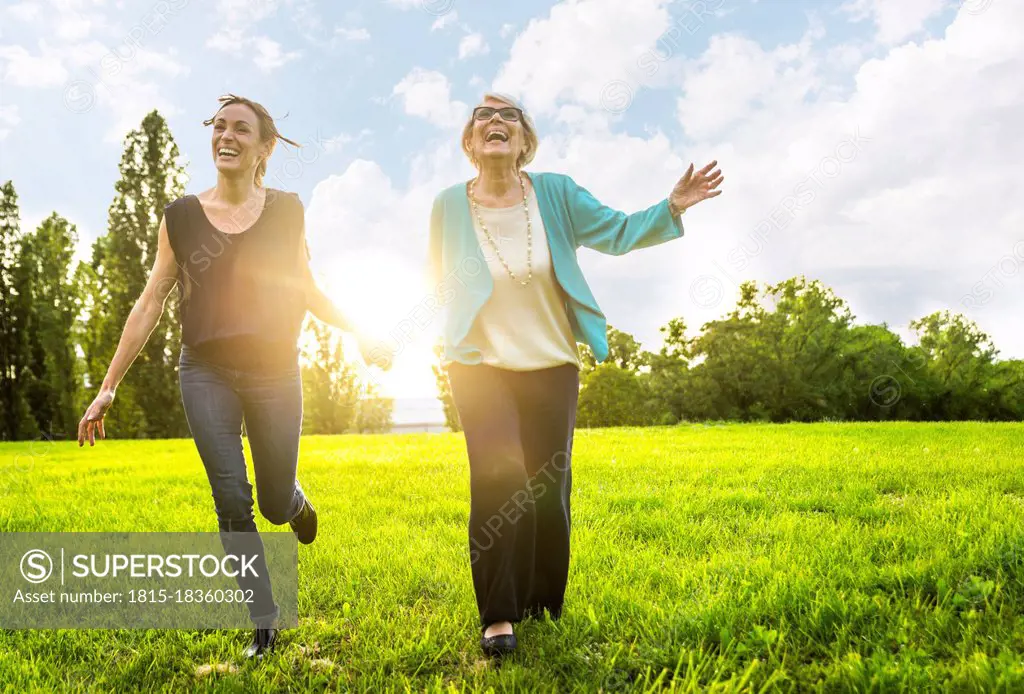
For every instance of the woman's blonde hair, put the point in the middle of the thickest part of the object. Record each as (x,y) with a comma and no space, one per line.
(529,132)
(268,129)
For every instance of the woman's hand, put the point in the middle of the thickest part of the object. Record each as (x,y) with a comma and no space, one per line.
(93,419)
(694,187)
(375,352)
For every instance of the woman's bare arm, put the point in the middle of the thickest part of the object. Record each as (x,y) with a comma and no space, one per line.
(142,319)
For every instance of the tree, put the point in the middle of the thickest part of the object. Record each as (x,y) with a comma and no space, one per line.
(50,291)
(151,176)
(1005,388)
(623,351)
(16,420)
(960,359)
(90,322)
(668,381)
(374,412)
(808,326)
(734,374)
(330,391)
(613,396)
(444,390)
(778,356)
(335,400)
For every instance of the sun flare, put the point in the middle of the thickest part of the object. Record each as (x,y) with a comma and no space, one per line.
(387,297)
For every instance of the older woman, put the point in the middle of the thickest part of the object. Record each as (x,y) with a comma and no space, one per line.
(503,246)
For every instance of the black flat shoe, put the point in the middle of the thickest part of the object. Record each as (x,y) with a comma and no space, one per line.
(262,642)
(304,524)
(498,646)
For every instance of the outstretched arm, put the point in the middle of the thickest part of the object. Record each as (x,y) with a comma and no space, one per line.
(604,229)
(142,319)
(324,309)
(321,306)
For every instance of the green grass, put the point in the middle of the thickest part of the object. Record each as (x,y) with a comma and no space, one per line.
(829,557)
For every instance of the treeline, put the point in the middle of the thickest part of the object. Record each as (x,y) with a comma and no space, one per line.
(60,320)
(792,352)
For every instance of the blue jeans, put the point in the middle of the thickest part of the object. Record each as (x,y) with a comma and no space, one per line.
(217,399)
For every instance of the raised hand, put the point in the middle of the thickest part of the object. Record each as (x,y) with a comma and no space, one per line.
(694,187)
(92,422)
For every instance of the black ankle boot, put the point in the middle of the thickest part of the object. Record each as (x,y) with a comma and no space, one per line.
(304,524)
(262,642)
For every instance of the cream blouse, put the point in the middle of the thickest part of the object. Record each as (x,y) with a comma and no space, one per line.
(521,328)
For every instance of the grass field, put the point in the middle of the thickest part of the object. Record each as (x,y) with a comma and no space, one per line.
(831,557)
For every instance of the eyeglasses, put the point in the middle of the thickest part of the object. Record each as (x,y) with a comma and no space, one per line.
(508,113)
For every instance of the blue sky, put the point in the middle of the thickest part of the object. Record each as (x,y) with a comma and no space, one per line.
(866,113)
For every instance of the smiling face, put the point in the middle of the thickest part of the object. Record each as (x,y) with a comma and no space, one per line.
(495,139)
(237,145)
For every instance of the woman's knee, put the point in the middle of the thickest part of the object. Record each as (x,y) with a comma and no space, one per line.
(500,473)
(276,511)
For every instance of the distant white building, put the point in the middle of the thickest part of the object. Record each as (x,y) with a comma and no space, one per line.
(417,415)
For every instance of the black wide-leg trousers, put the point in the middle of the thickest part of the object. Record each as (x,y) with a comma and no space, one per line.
(519,430)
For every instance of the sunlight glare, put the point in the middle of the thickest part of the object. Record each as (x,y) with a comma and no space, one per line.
(386,297)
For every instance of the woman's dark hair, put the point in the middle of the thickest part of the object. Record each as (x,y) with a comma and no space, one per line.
(268,129)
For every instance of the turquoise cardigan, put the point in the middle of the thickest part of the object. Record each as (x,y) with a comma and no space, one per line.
(572,218)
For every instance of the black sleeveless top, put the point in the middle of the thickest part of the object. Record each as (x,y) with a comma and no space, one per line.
(242,295)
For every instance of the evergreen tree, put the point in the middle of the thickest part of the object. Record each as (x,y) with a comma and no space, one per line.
(16,421)
(92,294)
(147,401)
(49,291)
(330,390)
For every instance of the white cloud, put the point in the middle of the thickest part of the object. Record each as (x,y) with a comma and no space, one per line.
(507,30)
(360,34)
(437,8)
(895,21)
(25,11)
(895,224)
(242,13)
(22,69)
(235,38)
(114,69)
(427,94)
(66,20)
(8,119)
(579,48)
(444,20)
(736,76)
(340,142)
(128,84)
(362,209)
(231,41)
(270,55)
(471,45)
